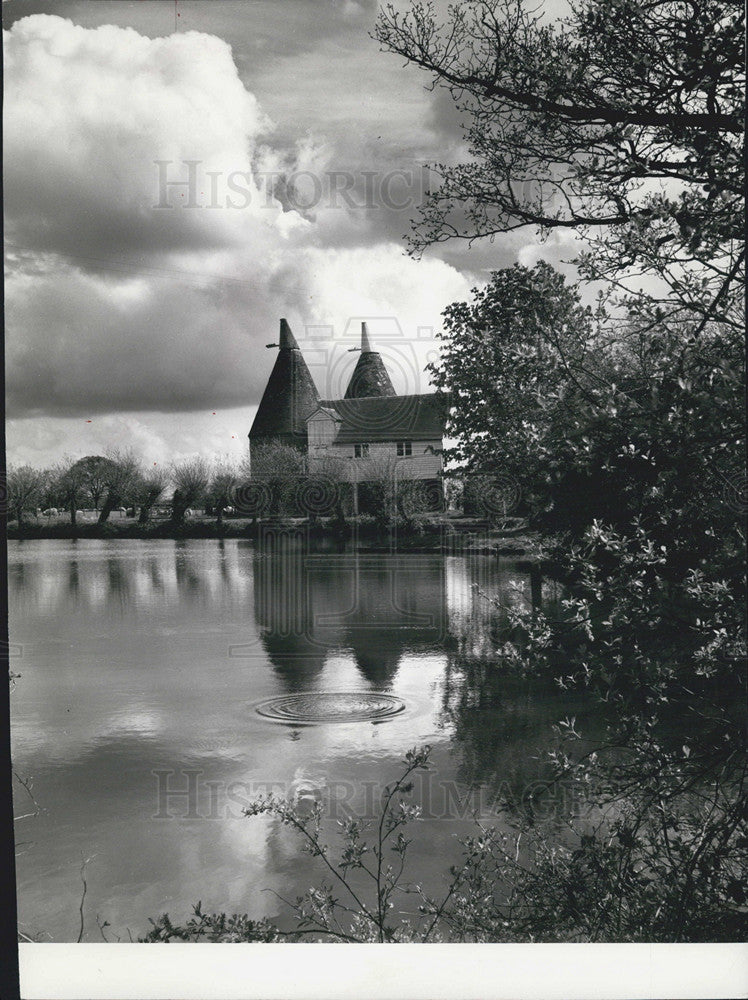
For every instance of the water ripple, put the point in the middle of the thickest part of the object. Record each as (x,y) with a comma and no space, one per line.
(331,706)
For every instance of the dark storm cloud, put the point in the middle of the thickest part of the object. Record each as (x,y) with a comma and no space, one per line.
(133,344)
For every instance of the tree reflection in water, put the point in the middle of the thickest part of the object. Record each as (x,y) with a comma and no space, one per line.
(494,714)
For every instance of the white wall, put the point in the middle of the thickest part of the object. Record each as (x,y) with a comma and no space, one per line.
(321,429)
(422,464)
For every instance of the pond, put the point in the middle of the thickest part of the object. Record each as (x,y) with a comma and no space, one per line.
(165,684)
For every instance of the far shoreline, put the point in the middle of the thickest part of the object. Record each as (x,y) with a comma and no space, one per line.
(451,535)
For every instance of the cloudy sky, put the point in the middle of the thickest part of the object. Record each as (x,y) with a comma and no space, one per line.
(152,243)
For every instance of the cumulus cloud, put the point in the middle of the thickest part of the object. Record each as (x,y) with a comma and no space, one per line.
(88,112)
(88,343)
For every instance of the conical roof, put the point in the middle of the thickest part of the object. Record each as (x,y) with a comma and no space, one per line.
(289,397)
(369,377)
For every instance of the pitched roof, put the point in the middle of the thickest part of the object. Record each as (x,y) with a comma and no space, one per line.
(370,377)
(325,409)
(290,394)
(389,418)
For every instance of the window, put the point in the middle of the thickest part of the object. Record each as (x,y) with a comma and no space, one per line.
(404,448)
(361,450)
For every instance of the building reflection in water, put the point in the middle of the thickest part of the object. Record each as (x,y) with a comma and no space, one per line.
(374,606)
(282,609)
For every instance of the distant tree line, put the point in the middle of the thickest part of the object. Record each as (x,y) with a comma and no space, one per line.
(102,483)
(105,483)
(278,482)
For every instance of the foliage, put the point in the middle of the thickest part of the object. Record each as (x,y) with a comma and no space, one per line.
(331,477)
(624,447)
(191,479)
(502,358)
(623,426)
(639,435)
(626,871)
(634,137)
(92,473)
(91,480)
(390,499)
(277,467)
(148,489)
(638,875)
(119,472)
(70,480)
(281,481)
(25,486)
(412,504)
(224,479)
(285,482)
(360,915)
(659,850)
(212,927)
(365,878)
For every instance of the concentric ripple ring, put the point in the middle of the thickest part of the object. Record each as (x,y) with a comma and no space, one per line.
(331,706)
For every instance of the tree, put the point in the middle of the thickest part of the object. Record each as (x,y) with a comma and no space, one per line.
(325,488)
(390,498)
(148,490)
(224,478)
(585,412)
(191,479)
(505,355)
(119,473)
(378,489)
(25,487)
(50,494)
(71,479)
(95,469)
(633,136)
(276,469)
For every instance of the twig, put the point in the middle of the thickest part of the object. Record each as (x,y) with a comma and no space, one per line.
(26,782)
(313,841)
(708,314)
(83,896)
(101,927)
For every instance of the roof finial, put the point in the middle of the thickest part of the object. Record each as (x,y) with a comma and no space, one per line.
(287,339)
(369,377)
(365,344)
